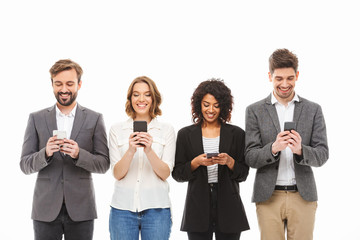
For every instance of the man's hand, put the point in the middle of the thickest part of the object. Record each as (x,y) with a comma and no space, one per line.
(53,145)
(294,143)
(281,142)
(71,148)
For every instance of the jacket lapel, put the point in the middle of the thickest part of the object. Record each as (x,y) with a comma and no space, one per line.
(225,139)
(78,121)
(272,112)
(51,119)
(196,140)
(297,111)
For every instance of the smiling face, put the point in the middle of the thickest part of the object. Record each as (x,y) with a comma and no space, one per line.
(141,100)
(210,108)
(65,85)
(283,80)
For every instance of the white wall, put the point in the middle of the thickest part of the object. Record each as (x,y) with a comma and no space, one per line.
(179,44)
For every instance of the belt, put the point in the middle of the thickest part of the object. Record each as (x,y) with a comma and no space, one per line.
(286,188)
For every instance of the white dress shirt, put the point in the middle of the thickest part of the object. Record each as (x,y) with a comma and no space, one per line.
(141,188)
(286,173)
(65,122)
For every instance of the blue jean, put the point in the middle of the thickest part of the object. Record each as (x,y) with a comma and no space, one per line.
(151,224)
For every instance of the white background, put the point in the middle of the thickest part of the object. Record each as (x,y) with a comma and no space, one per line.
(179,44)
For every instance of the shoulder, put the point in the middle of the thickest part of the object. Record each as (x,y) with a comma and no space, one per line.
(164,126)
(234,129)
(259,103)
(89,111)
(187,130)
(118,126)
(40,113)
(309,103)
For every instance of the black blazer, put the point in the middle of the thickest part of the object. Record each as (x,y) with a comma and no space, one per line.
(231,214)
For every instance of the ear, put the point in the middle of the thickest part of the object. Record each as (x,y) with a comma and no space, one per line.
(270,78)
(297,75)
(79,85)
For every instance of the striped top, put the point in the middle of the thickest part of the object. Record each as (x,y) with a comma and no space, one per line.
(211,145)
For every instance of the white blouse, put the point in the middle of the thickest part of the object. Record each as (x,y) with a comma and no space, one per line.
(141,188)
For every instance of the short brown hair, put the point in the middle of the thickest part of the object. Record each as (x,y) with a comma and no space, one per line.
(221,93)
(63,65)
(283,58)
(155,96)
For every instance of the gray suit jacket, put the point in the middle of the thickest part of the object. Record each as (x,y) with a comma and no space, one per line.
(62,178)
(262,127)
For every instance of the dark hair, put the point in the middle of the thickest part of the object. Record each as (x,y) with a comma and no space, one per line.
(222,94)
(283,58)
(63,65)
(155,96)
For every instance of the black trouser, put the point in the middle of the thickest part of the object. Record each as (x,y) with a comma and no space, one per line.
(213,221)
(63,225)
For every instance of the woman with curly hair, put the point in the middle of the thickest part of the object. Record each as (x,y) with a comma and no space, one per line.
(210,157)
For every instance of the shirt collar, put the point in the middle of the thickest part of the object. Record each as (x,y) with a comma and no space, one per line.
(274,100)
(129,124)
(60,114)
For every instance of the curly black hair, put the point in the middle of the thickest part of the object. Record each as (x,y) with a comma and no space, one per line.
(222,94)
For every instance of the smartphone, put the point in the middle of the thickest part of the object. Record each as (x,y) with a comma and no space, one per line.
(59,134)
(288,126)
(140,126)
(210,155)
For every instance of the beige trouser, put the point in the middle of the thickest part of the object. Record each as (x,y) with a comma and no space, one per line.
(286,210)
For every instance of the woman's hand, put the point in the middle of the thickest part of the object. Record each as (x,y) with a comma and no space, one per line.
(224,159)
(145,141)
(201,160)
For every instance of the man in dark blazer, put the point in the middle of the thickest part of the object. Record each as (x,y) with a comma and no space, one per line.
(64,198)
(284,189)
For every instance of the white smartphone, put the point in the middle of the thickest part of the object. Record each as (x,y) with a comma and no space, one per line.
(59,134)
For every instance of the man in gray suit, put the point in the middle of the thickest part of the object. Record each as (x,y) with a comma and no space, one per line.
(64,199)
(284,189)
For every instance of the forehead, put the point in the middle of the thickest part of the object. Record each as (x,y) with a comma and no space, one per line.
(284,72)
(209,98)
(141,87)
(66,76)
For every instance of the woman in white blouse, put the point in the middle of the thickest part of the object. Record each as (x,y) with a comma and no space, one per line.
(141,163)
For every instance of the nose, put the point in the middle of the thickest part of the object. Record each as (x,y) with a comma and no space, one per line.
(141,97)
(63,88)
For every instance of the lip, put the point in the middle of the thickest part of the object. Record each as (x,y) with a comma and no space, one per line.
(141,105)
(286,90)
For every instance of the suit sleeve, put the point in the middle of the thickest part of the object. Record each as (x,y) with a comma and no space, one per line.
(256,155)
(182,169)
(32,159)
(317,153)
(241,169)
(96,161)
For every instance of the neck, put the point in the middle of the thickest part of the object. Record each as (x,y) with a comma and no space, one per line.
(212,125)
(146,118)
(66,109)
(284,101)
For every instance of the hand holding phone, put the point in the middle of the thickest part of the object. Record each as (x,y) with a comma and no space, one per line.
(140,126)
(288,126)
(59,134)
(210,155)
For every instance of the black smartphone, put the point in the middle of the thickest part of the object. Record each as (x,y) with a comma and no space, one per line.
(210,155)
(140,126)
(288,126)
